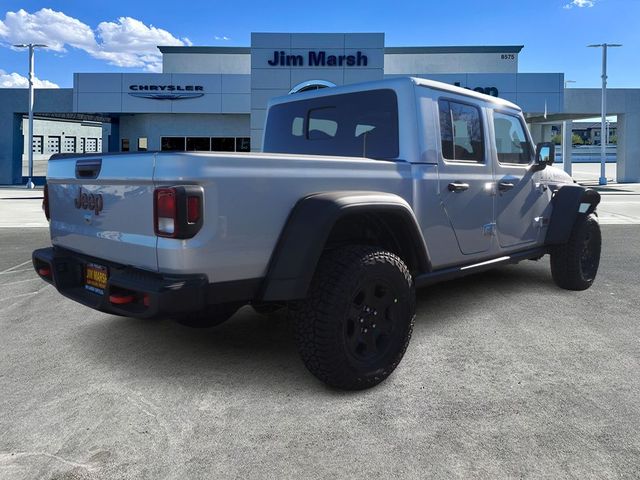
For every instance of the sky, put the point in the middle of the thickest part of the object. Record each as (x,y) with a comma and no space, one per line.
(121,36)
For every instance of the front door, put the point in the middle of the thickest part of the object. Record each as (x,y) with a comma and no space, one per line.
(465,175)
(520,199)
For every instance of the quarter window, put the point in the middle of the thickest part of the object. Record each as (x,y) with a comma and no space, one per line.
(512,145)
(461,131)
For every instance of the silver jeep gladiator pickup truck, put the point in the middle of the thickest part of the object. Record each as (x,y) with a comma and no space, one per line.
(362,194)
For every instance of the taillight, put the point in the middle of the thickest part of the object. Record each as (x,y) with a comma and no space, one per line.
(165,212)
(45,201)
(178,211)
(193,209)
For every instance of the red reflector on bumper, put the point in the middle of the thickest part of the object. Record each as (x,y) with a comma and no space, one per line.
(120,299)
(45,272)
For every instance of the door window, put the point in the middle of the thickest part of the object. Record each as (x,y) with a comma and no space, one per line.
(512,144)
(461,131)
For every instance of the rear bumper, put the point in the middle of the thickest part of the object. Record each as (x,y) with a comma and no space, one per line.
(147,294)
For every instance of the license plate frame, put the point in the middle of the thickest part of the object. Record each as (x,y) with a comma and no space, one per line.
(95,278)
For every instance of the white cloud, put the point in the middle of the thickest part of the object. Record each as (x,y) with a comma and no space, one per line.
(46,26)
(127,42)
(580,4)
(15,80)
(222,38)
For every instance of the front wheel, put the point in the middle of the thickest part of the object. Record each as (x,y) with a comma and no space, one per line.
(574,265)
(354,326)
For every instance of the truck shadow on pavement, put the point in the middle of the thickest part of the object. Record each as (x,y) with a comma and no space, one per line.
(256,351)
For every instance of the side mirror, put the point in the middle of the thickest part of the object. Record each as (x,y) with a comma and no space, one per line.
(545,154)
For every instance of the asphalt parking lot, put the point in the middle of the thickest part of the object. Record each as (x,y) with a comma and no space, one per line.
(507,376)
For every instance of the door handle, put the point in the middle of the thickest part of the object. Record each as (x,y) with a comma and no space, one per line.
(458,187)
(504,186)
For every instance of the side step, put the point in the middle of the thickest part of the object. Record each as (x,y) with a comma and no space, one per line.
(460,271)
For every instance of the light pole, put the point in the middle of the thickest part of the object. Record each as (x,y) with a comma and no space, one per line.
(567,131)
(31,47)
(603,146)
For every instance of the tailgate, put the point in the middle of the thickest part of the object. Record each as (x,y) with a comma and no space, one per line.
(102,206)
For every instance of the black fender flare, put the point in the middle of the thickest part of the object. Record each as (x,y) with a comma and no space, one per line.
(305,233)
(566,203)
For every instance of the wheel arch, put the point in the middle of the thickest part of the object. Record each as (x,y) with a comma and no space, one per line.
(330,219)
(566,206)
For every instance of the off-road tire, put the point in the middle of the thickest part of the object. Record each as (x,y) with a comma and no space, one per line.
(354,288)
(210,316)
(574,265)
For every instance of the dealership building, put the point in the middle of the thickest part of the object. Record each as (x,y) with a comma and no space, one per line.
(215,98)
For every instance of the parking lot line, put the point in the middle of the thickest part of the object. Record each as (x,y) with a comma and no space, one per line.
(15,266)
(15,271)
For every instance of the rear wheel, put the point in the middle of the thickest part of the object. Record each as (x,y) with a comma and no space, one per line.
(210,316)
(574,265)
(354,327)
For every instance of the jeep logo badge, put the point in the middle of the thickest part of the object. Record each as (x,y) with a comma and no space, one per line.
(89,201)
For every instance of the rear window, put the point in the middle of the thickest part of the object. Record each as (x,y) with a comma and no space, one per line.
(361,124)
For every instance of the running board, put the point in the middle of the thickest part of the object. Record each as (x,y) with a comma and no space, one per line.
(460,271)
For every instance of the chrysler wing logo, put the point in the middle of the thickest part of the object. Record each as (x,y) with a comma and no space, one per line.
(166,92)
(167,96)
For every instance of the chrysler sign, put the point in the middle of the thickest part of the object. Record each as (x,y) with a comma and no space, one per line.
(166,92)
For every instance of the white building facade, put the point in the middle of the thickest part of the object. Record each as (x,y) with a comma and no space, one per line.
(215,98)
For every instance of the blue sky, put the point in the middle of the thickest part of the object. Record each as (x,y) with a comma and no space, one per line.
(115,36)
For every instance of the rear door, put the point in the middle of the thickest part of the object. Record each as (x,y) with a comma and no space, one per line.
(102,206)
(520,199)
(465,174)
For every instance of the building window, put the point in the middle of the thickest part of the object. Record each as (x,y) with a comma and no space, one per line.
(142,144)
(69,145)
(99,149)
(205,144)
(172,144)
(124,145)
(82,144)
(223,144)
(53,144)
(92,145)
(38,140)
(198,144)
(243,144)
